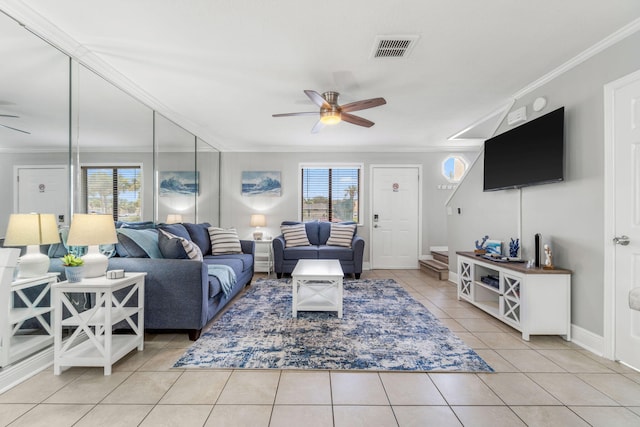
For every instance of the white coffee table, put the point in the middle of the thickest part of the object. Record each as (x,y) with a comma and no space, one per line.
(317,286)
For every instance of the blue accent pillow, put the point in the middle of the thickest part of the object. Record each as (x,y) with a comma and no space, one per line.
(171,247)
(199,234)
(127,248)
(176,229)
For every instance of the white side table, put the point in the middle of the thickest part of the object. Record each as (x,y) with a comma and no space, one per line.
(263,258)
(102,348)
(14,345)
(317,286)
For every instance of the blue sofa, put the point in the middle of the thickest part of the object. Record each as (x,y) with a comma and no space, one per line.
(318,232)
(180,293)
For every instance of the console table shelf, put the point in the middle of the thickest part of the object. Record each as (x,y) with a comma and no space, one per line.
(534,301)
(16,341)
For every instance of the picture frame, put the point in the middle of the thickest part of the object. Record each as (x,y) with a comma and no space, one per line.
(178,183)
(493,247)
(261,183)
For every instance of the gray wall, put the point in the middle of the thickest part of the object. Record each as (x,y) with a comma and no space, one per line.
(236,210)
(569,215)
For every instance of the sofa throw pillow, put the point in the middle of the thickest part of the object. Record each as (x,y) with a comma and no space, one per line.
(224,241)
(294,235)
(168,248)
(341,235)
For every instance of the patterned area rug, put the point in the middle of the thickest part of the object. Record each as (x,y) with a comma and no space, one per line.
(383,329)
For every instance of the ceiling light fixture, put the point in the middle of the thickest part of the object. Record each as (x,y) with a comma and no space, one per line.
(330,117)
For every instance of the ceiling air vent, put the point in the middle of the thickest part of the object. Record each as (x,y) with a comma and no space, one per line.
(393,46)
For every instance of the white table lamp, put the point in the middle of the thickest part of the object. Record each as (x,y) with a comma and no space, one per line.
(32,230)
(258,220)
(92,230)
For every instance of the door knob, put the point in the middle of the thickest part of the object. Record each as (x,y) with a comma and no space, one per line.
(622,240)
(375,225)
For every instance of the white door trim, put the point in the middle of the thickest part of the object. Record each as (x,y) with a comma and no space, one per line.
(16,168)
(609,213)
(370,216)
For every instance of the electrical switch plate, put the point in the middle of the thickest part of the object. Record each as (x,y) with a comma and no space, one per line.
(517,116)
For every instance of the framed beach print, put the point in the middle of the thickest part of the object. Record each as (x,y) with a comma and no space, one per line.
(261,183)
(178,183)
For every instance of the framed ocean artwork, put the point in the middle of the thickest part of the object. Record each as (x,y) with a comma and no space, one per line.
(178,183)
(261,183)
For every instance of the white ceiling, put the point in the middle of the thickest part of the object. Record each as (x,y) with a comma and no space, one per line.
(221,68)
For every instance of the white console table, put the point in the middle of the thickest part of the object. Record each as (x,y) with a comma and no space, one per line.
(263,258)
(14,344)
(534,301)
(93,343)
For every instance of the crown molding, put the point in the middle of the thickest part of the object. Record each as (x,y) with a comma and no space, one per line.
(605,43)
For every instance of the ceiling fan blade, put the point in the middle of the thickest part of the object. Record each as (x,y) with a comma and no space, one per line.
(363,105)
(9,127)
(317,127)
(305,113)
(317,98)
(9,115)
(346,117)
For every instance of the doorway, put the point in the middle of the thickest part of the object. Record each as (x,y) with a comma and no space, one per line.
(42,189)
(396,225)
(622,218)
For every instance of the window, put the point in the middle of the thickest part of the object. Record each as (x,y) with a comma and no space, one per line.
(113,190)
(453,168)
(330,193)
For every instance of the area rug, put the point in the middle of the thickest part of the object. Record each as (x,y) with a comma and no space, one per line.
(383,328)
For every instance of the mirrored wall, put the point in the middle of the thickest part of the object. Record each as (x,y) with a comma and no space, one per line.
(80,144)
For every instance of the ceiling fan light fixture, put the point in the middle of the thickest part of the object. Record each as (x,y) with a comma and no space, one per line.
(330,117)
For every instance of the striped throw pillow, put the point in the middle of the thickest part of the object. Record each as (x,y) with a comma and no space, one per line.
(224,241)
(295,235)
(341,235)
(191,249)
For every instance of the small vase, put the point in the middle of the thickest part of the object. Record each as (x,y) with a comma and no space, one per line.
(74,274)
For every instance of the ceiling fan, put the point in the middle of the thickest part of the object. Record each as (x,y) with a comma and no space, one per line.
(331,113)
(9,127)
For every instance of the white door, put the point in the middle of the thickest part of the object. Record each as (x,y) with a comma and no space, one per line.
(626,131)
(43,190)
(395,217)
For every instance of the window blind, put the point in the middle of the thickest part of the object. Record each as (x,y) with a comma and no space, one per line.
(113,190)
(330,194)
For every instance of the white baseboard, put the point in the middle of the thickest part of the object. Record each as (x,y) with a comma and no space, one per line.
(439,248)
(366,266)
(453,277)
(18,372)
(587,340)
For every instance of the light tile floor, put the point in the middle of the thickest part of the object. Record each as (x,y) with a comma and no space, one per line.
(544,382)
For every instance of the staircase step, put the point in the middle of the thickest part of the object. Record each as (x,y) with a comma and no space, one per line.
(435,269)
(441,256)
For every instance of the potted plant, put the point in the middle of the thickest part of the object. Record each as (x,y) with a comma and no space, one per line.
(73,267)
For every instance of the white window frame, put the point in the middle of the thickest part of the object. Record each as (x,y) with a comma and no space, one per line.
(332,165)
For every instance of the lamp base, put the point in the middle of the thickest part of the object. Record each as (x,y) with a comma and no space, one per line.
(95,263)
(257,235)
(33,264)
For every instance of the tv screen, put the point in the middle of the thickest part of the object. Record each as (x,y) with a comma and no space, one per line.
(530,154)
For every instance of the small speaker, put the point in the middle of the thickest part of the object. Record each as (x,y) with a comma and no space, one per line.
(538,237)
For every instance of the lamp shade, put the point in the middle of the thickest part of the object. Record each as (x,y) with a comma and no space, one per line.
(92,229)
(174,219)
(258,220)
(31,229)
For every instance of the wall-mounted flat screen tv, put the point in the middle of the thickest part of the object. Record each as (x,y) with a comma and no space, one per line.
(530,154)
